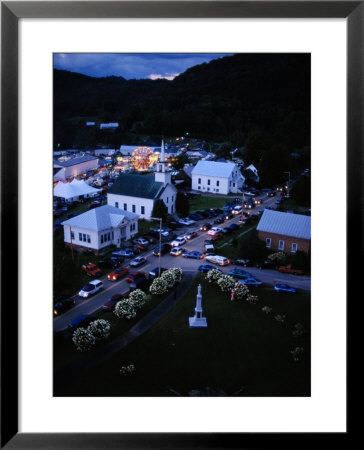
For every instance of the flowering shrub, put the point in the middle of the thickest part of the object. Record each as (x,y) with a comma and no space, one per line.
(158,287)
(125,309)
(83,339)
(100,329)
(137,298)
(213,275)
(168,278)
(127,370)
(278,257)
(296,353)
(178,274)
(252,299)
(225,283)
(280,318)
(298,330)
(267,309)
(240,291)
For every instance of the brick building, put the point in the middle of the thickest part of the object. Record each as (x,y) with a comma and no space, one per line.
(285,232)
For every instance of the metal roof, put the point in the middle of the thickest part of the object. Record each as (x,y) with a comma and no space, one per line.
(100,218)
(287,224)
(74,161)
(214,168)
(134,185)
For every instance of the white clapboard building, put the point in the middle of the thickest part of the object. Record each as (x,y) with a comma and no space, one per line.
(217,177)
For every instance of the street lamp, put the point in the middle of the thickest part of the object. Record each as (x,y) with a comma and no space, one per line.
(160,243)
(289,182)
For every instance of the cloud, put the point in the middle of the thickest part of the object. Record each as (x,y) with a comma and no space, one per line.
(131,65)
(158,76)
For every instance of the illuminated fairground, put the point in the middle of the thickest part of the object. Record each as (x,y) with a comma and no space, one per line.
(143,158)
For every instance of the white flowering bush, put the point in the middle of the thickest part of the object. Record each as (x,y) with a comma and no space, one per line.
(278,257)
(100,329)
(83,339)
(240,291)
(127,370)
(125,309)
(225,283)
(267,309)
(296,353)
(213,276)
(168,278)
(252,299)
(280,318)
(137,298)
(158,287)
(298,330)
(178,274)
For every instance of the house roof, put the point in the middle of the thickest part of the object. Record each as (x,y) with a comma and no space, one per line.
(213,168)
(287,224)
(134,185)
(74,161)
(101,218)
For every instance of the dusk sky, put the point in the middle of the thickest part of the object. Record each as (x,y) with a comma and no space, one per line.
(132,65)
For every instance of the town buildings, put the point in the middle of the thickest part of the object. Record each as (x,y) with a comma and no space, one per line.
(74,167)
(217,177)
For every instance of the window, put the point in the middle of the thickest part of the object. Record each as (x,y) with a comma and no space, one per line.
(89,239)
(208,182)
(167,199)
(142,210)
(116,204)
(125,207)
(172,209)
(233,184)
(108,236)
(208,189)
(80,236)
(217,190)
(280,245)
(199,181)
(268,242)
(294,247)
(217,183)
(102,239)
(84,237)
(133,208)
(199,187)
(72,236)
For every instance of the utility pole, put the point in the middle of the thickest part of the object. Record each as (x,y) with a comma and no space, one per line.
(160,244)
(73,260)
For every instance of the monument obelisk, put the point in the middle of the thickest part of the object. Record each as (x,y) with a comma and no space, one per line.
(197,321)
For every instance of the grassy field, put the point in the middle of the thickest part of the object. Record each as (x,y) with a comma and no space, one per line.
(242,348)
(201,202)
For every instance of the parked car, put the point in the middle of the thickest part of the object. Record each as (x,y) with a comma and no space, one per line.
(83,320)
(161,231)
(138,261)
(237,209)
(94,204)
(219,220)
(241,262)
(132,276)
(150,239)
(206,268)
(112,263)
(194,254)
(141,241)
(154,272)
(271,194)
(178,241)
(140,283)
(240,273)
(176,251)
(91,288)
(290,269)
(214,230)
(186,221)
(283,287)
(118,273)
(165,248)
(228,216)
(125,253)
(111,302)
(63,306)
(91,270)
(217,259)
(205,227)
(191,235)
(250,282)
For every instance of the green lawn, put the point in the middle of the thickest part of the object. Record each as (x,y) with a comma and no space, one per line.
(201,202)
(241,348)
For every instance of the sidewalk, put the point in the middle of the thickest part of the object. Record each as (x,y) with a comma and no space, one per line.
(90,360)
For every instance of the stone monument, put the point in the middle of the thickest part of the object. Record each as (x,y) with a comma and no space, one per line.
(197,321)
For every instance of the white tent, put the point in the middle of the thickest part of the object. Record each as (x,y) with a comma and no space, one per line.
(75,189)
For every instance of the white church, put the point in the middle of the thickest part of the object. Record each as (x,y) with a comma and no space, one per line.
(137,193)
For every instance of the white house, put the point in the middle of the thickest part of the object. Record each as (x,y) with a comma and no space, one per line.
(217,177)
(251,173)
(74,167)
(137,193)
(100,228)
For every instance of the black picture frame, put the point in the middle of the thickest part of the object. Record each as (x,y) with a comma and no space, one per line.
(11,13)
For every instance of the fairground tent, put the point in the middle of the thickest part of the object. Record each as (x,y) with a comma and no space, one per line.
(74,190)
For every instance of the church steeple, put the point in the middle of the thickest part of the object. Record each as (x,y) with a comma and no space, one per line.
(161,174)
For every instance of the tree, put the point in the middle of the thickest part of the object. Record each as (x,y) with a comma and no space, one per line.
(273,164)
(160,210)
(226,283)
(100,329)
(180,161)
(182,204)
(125,309)
(158,287)
(301,191)
(138,298)
(224,151)
(252,248)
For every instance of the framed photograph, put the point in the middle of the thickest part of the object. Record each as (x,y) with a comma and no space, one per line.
(118,115)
